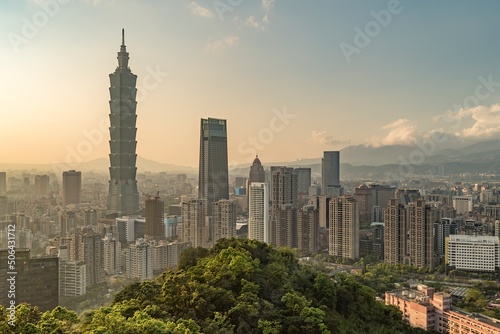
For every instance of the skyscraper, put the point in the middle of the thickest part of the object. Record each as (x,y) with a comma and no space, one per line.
(283,206)
(42,185)
(330,173)
(344,227)
(308,229)
(72,187)
(258,212)
(421,217)
(123,198)
(3,183)
(155,227)
(257,173)
(395,229)
(213,170)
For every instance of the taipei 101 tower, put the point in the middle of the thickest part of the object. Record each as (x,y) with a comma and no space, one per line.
(123,198)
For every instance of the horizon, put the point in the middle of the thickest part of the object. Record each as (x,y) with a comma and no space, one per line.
(420,82)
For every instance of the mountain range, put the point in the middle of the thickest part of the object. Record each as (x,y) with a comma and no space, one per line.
(481,157)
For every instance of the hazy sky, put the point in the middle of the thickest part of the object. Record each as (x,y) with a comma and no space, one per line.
(292,78)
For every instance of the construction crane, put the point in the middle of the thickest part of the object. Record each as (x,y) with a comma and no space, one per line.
(149,197)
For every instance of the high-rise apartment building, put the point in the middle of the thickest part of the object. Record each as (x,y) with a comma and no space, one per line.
(308,230)
(223,220)
(72,187)
(213,169)
(112,253)
(284,198)
(72,278)
(330,173)
(395,232)
(194,228)
(155,226)
(123,197)
(344,228)
(91,251)
(421,218)
(258,212)
(139,260)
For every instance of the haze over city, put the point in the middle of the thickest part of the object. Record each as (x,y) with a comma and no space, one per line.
(345,73)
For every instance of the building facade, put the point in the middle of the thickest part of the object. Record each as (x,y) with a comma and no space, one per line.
(344,228)
(72,187)
(123,197)
(258,212)
(473,253)
(213,167)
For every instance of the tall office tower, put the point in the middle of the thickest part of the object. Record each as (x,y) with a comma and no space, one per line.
(42,185)
(193,227)
(36,281)
(155,226)
(303,180)
(223,220)
(139,260)
(308,230)
(3,183)
(330,173)
(112,253)
(395,230)
(92,253)
(123,198)
(213,171)
(258,212)
(344,228)
(442,229)
(421,239)
(72,187)
(284,197)
(257,173)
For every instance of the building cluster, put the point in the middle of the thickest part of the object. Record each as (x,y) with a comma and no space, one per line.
(430,310)
(86,233)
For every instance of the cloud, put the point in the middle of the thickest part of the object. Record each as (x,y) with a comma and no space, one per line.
(322,138)
(486,121)
(400,132)
(252,22)
(221,44)
(199,10)
(268,5)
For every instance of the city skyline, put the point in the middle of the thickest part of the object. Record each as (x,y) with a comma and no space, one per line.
(250,61)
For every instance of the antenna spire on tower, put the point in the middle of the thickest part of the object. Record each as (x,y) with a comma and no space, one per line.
(123,36)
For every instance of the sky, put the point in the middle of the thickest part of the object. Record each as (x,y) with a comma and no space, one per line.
(293,78)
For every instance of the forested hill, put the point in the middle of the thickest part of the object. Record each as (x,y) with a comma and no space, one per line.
(238,286)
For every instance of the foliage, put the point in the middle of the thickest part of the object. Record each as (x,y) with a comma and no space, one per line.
(238,286)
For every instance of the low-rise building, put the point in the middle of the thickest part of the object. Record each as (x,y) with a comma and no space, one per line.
(426,309)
